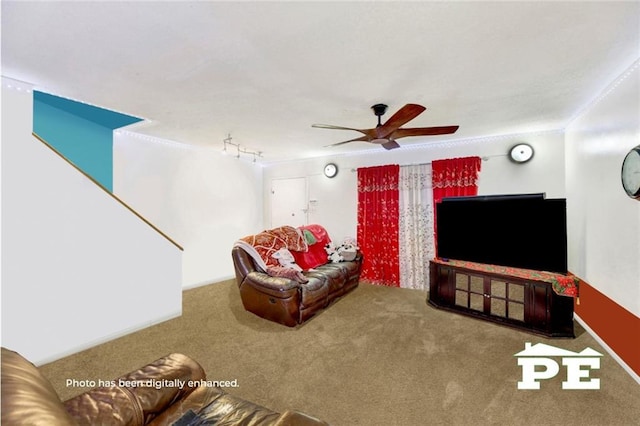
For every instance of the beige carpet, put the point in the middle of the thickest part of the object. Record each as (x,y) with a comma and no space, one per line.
(379,356)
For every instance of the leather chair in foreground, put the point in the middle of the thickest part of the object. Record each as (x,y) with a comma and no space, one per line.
(29,399)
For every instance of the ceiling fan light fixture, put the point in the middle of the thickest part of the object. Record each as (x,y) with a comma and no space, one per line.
(379,141)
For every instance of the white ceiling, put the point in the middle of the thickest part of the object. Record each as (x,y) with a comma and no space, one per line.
(265,71)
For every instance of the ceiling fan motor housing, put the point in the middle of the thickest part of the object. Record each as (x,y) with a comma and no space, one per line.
(379,109)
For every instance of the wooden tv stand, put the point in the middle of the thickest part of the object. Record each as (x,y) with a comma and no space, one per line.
(523,303)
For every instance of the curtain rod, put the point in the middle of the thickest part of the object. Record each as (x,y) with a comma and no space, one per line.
(484,158)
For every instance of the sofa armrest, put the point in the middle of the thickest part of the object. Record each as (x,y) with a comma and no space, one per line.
(276,286)
(28,398)
(296,418)
(136,398)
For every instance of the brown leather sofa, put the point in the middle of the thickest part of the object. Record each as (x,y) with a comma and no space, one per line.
(29,399)
(287,301)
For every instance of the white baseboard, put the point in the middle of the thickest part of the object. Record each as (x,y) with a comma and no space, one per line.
(105,339)
(203,283)
(607,348)
(75,349)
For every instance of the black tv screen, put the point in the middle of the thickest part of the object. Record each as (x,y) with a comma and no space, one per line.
(521,230)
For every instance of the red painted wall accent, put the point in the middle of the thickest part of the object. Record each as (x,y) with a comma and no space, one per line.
(617,327)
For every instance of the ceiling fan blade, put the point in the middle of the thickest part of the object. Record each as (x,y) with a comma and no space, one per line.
(423,131)
(391,145)
(360,139)
(371,133)
(402,116)
(330,126)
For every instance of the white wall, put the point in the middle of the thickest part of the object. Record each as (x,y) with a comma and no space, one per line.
(78,268)
(603,223)
(336,206)
(198,196)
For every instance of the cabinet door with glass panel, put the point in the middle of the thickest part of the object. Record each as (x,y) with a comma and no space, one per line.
(490,296)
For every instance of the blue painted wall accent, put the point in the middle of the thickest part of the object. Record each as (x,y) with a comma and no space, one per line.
(81,133)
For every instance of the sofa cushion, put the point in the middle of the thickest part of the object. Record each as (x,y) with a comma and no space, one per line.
(27,397)
(335,276)
(228,409)
(213,406)
(348,269)
(315,291)
(292,274)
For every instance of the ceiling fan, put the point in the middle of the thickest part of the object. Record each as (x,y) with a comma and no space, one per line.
(387,133)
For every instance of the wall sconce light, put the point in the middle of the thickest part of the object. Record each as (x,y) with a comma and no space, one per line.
(239,149)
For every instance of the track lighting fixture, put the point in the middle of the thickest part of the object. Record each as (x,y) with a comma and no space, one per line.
(239,149)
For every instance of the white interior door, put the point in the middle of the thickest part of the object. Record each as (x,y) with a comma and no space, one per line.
(289,202)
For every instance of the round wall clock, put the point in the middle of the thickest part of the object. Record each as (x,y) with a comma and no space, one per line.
(330,170)
(521,153)
(630,173)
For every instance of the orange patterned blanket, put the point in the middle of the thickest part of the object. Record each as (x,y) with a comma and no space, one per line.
(262,246)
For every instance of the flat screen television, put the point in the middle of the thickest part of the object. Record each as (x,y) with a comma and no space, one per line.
(520,230)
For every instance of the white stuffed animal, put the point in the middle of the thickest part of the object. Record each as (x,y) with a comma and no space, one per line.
(333,254)
(335,257)
(348,249)
(350,241)
(286,259)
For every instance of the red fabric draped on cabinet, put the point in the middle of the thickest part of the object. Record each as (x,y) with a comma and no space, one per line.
(378,224)
(455,177)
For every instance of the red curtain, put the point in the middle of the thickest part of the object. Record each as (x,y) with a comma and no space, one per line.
(453,178)
(378,224)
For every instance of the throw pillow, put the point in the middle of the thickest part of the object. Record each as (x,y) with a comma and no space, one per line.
(309,237)
(316,255)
